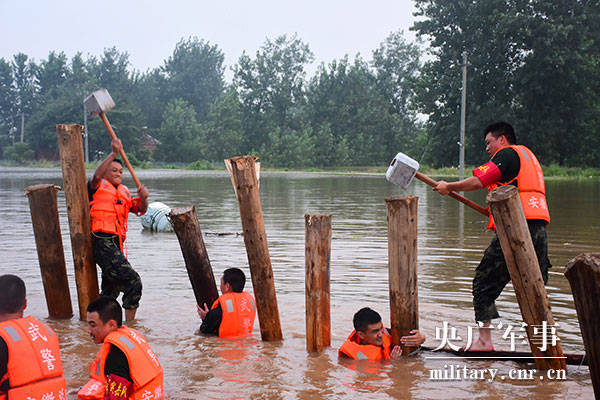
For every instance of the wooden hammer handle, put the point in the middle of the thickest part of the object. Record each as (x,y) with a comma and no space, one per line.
(123,155)
(454,195)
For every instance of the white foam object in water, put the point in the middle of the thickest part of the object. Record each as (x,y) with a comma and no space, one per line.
(156,219)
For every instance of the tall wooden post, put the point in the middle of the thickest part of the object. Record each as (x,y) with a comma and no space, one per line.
(51,254)
(317,230)
(78,210)
(186,227)
(255,238)
(524,269)
(402,263)
(583,273)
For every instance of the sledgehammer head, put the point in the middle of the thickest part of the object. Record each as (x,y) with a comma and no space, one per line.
(98,101)
(402,170)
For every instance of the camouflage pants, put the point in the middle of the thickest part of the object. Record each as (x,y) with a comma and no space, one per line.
(117,274)
(491,276)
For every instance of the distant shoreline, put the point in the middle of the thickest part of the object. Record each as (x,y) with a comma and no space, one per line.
(550,172)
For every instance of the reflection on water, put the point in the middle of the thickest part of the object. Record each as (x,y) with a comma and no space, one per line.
(451,241)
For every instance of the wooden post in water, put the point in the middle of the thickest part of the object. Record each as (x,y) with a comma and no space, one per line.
(255,238)
(317,256)
(524,269)
(583,273)
(51,254)
(78,210)
(186,226)
(402,262)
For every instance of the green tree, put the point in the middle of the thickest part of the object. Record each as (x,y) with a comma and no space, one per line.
(24,81)
(53,104)
(19,152)
(532,63)
(80,81)
(151,93)
(112,71)
(51,74)
(558,87)
(7,104)
(127,122)
(41,124)
(482,30)
(327,149)
(179,134)
(347,110)
(222,132)
(397,63)
(289,149)
(194,73)
(271,88)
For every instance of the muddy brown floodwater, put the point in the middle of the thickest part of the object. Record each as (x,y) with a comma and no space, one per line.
(451,242)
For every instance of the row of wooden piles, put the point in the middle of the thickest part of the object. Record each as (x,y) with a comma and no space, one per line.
(583,272)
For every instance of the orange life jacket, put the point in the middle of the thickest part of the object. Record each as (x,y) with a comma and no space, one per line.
(144,368)
(353,349)
(530,181)
(34,368)
(109,209)
(239,312)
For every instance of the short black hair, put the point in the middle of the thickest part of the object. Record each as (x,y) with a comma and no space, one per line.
(365,317)
(501,128)
(236,278)
(118,161)
(107,308)
(12,294)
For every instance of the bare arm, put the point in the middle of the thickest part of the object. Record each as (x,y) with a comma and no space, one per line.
(466,185)
(103,167)
(143,196)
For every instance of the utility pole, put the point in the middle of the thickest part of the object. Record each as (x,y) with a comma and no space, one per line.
(85,136)
(463,110)
(22,125)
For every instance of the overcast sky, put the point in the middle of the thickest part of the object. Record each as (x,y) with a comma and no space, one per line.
(149,30)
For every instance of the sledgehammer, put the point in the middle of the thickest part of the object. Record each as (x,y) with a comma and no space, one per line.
(403,169)
(97,104)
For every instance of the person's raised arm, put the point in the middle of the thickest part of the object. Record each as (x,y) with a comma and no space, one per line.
(116,147)
(142,193)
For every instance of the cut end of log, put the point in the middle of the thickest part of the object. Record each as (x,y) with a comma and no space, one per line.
(68,127)
(502,193)
(180,211)
(401,198)
(310,217)
(41,186)
(238,158)
(592,260)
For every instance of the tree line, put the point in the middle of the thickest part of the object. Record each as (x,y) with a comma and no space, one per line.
(533,63)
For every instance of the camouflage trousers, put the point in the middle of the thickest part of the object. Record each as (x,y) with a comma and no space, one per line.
(117,274)
(491,276)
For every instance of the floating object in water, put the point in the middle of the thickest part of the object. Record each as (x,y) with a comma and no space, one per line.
(516,356)
(156,219)
(223,233)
